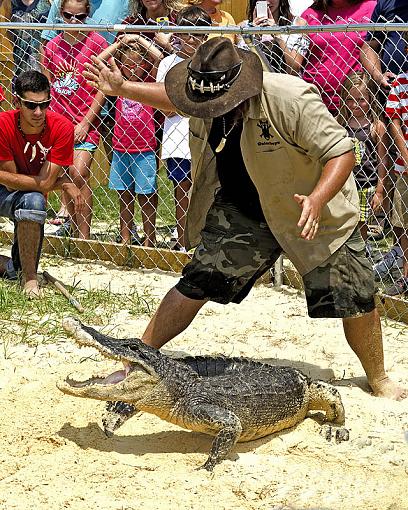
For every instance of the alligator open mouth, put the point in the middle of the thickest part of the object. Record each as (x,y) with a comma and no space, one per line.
(114,378)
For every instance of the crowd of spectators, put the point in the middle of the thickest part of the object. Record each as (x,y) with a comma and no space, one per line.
(362,78)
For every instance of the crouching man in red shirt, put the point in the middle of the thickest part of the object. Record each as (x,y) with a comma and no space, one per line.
(35,145)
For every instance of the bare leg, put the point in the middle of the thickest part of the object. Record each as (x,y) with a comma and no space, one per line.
(148,207)
(172,317)
(127,207)
(181,198)
(80,173)
(29,236)
(363,230)
(365,338)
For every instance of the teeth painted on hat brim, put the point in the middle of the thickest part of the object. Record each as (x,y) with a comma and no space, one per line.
(248,84)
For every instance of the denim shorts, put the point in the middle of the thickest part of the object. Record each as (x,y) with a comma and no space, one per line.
(134,172)
(178,169)
(236,250)
(85,146)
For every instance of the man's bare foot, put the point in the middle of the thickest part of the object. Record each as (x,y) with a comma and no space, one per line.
(32,289)
(386,388)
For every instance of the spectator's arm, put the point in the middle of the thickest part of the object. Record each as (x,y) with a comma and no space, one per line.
(293,58)
(370,60)
(397,134)
(82,128)
(163,41)
(382,157)
(295,48)
(109,52)
(154,53)
(53,17)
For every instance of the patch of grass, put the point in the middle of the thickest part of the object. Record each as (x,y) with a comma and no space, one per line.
(39,321)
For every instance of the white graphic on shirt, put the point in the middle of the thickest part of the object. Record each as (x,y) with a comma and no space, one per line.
(131,110)
(66,78)
(44,150)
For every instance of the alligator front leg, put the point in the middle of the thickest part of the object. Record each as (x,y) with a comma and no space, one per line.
(229,426)
(116,414)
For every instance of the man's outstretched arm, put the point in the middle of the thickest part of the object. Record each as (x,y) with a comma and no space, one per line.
(106,77)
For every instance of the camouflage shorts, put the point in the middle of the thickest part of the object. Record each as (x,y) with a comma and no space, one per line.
(343,286)
(236,250)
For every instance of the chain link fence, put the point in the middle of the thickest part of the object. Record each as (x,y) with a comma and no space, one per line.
(132,163)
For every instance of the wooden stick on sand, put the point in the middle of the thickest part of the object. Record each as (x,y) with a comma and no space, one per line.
(64,291)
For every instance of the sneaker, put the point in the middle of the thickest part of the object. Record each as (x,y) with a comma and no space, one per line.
(376,233)
(390,259)
(398,288)
(64,230)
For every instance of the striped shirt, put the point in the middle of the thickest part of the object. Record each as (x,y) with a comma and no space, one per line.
(397,108)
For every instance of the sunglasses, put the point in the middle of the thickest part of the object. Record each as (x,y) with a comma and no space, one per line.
(80,17)
(32,105)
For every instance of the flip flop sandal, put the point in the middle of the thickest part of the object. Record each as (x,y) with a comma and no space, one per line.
(58,220)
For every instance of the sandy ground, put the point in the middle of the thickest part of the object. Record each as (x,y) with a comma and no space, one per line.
(54,455)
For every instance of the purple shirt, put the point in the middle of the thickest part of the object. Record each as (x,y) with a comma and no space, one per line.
(332,56)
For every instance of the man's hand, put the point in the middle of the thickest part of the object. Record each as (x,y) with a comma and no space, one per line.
(310,217)
(106,78)
(75,195)
(81,131)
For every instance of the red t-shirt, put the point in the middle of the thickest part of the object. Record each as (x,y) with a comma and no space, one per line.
(2,96)
(55,144)
(134,127)
(71,94)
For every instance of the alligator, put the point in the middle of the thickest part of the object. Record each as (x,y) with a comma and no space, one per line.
(233,399)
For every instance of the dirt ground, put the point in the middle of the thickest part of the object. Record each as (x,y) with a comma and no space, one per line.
(54,455)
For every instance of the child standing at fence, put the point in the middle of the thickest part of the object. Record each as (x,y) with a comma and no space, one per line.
(358,115)
(64,59)
(175,144)
(397,111)
(134,168)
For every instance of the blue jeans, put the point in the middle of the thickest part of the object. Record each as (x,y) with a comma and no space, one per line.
(22,206)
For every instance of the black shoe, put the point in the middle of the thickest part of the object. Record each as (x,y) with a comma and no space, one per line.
(376,234)
(65,230)
(399,288)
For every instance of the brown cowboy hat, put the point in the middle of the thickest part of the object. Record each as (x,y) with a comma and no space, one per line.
(215,80)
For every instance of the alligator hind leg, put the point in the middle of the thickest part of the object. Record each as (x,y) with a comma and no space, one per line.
(213,418)
(115,415)
(325,397)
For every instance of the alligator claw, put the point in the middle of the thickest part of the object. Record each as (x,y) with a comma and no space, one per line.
(208,466)
(329,431)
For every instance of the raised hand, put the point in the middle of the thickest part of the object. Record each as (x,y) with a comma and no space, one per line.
(105,77)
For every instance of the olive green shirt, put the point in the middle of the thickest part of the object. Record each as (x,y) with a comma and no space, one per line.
(288,136)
